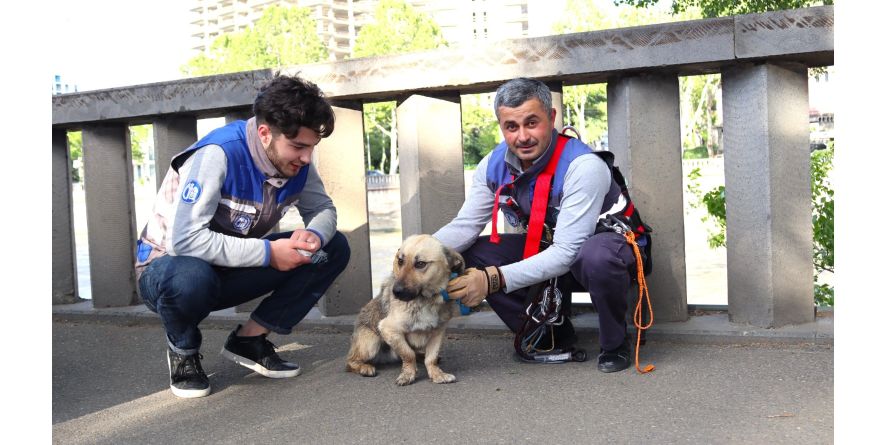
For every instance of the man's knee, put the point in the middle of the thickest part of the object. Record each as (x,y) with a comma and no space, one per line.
(604,258)
(338,250)
(188,278)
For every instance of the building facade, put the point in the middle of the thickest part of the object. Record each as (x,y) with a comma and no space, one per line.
(339,21)
(60,86)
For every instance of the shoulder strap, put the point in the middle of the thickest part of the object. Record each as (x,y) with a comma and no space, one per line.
(540,200)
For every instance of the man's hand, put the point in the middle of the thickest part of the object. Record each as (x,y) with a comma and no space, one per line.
(305,240)
(285,254)
(473,287)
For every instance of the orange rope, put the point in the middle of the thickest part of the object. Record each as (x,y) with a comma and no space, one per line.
(643,292)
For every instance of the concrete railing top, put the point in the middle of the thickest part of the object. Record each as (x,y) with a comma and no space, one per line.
(692,47)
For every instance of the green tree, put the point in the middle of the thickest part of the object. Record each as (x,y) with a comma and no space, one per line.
(282,36)
(139,137)
(720,8)
(398,28)
(75,145)
(585,105)
(698,113)
(821,164)
(480,132)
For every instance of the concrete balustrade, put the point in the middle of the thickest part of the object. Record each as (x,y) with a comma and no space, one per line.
(763,59)
(110,214)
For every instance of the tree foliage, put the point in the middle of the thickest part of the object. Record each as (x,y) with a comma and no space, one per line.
(480,132)
(821,164)
(282,36)
(75,145)
(720,8)
(398,28)
(139,137)
(585,105)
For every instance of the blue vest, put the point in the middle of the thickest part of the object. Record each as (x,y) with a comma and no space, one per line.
(244,184)
(515,199)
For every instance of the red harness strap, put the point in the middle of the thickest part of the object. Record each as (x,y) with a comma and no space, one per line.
(539,203)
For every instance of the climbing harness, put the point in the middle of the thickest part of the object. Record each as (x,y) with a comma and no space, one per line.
(544,312)
(541,317)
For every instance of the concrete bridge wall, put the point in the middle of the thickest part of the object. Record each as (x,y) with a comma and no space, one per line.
(763,60)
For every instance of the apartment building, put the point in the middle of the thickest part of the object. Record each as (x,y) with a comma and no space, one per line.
(339,21)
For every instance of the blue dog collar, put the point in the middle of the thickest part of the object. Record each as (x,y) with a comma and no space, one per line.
(461,306)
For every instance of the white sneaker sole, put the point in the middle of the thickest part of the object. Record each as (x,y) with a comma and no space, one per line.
(187,393)
(245,362)
(190,393)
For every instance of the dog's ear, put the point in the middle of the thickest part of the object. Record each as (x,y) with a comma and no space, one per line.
(455,261)
(396,266)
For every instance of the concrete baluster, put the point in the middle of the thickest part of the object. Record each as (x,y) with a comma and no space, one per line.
(768,210)
(340,161)
(644,134)
(172,134)
(431,162)
(110,214)
(64,255)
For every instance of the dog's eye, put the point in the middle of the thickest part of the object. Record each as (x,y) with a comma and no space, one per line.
(400,261)
(420,264)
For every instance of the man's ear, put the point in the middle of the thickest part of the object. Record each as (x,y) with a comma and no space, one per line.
(265,134)
(455,261)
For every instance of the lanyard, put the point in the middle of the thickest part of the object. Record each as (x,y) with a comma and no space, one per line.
(539,203)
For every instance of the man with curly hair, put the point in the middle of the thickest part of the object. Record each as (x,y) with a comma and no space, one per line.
(207,245)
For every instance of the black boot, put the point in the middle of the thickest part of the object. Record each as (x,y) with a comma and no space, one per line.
(616,360)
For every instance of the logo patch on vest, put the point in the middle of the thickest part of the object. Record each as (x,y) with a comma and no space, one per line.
(191,192)
(242,222)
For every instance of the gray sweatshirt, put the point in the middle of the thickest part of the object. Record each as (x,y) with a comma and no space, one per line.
(585,186)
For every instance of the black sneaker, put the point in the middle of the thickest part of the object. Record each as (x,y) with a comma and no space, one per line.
(186,376)
(616,360)
(257,354)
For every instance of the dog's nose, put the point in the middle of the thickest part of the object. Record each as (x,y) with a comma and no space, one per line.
(402,293)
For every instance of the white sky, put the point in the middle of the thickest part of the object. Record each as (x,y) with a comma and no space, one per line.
(105,43)
(98,44)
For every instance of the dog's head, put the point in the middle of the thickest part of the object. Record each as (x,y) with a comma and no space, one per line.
(422,267)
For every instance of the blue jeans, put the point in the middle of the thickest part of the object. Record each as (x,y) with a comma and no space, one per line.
(184,290)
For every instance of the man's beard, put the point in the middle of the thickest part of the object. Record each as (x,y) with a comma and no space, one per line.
(278,163)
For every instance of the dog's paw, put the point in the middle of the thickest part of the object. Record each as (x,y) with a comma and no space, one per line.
(405,378)
(443,378)
(367,371)
(364,369)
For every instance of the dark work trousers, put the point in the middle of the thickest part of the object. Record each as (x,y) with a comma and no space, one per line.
(604,267)
(183,290)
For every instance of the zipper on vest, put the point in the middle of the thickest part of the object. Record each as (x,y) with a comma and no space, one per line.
(268,207)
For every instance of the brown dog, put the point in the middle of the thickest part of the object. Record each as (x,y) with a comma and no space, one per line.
(409,315)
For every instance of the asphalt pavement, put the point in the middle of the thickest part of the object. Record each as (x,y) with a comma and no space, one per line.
(110,386)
